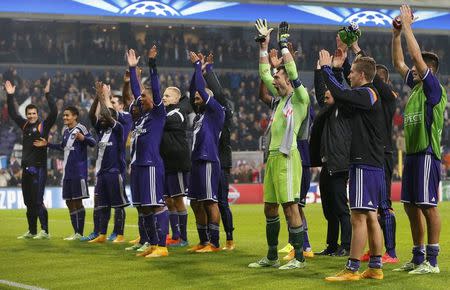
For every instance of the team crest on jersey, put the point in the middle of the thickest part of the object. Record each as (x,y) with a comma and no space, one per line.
(72,136)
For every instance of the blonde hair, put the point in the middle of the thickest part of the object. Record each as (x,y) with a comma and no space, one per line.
(176,91)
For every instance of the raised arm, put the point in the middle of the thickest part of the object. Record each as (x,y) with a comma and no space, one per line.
(199,81)
(105,112)
(319,85)
(301,94)
(10,90)
(213,81)
(362,98)
(264,94)
(411,42)
(134,81)
(94,111)
(51,118)
(264,65)
(154,79)
(398,60)
(128,98)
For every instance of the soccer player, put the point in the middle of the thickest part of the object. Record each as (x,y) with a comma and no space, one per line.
(205,170)
(283,168)
(303,148)
(175,153)
(34,160)
(147,167)
(388,103)
(76,138)
(366,182)
(110,164)
(124,118)
(224,153)
(423,124)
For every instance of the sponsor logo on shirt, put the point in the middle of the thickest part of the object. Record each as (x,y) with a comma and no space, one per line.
(413,118)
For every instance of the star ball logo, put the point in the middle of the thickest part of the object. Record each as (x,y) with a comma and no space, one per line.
(361,16)
(144,7)
(163,8)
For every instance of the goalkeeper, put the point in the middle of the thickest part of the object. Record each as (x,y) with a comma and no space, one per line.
(284,167)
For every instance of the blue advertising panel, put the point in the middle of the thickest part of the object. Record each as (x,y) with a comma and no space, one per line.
(226,11)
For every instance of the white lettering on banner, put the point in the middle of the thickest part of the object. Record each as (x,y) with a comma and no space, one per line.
(48,198)
(20,202)
(11,199)
(2,199)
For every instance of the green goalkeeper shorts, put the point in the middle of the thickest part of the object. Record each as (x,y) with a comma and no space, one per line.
(283,177)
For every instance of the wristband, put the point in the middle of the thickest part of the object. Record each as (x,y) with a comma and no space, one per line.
(284,51)
(263,53)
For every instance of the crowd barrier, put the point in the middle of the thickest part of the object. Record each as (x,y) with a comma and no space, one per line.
(11,197)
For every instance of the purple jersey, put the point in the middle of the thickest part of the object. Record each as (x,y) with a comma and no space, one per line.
(146,137)
(208,123)
(75,152)
(149,127)
(433,92)
(431,87)
(110,156)
(126,120)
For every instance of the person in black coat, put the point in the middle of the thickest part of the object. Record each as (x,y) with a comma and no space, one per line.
(330,148)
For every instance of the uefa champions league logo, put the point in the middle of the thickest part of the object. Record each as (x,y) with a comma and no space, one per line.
(367,17)
(150,7)
(163,8)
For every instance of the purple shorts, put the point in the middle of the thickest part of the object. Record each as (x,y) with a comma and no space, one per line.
(421,177)
(110,190)
(304,187)
(147,185)
(366,187)
(176,184)
(204,181)
(75,189)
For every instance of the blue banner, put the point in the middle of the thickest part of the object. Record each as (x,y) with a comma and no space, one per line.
(226,11)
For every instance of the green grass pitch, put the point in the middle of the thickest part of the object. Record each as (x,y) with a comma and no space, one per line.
(58,264)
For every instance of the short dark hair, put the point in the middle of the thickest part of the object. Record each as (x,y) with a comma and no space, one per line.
(281,67)
(367,65)
(73,110)
(119,99)
(31,107)
(431,59)
(383,67)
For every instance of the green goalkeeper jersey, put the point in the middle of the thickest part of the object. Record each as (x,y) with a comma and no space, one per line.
(289,111)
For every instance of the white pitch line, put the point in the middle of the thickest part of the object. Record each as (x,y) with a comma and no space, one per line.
(20,285)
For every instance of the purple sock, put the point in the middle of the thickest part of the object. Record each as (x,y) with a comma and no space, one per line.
(174,225)
(418,254)
(97,216)
(143,236)
(119,220)
(353,265)
(182,217)
(162,226)
(203,234)
(213,230)
(306,243)
(74,221)
(150,229)
(105,215)
(81,216)
(375,262)
(432,253)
